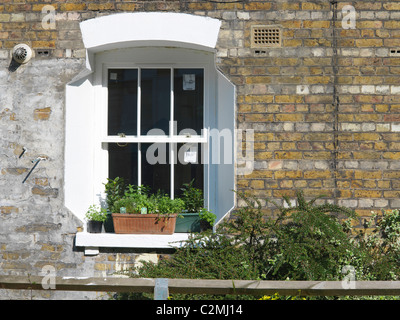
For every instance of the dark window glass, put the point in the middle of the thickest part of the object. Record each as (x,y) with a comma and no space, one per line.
(123,162)
(155,100)
(156,167)
(186,171)
(122,101)
(189,99)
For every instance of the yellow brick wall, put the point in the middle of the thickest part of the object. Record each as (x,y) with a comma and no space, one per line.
(302,139)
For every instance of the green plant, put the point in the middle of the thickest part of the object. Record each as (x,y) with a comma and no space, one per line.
(204,256)
(166,205)
(381,247)
(134,190)
(136,197)
(387,232)
(115,190)
(207,216)
(311,239)
(95,213)
(276,296)
(305,241)
(131,205)
(192,197)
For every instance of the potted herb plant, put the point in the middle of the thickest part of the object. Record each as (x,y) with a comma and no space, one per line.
(140,213)
(95,216)
(207,219)
(189,220)
(115,190)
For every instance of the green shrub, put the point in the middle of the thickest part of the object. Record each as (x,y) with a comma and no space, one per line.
(305,241)
(205,256)
(381,248)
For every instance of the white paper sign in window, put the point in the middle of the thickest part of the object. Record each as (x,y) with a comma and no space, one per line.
(190,157)
(189,82)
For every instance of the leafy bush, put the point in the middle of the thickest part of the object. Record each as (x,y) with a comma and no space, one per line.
(381,248)
(205,256)
(305,241)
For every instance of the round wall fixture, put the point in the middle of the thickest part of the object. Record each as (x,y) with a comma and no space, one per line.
(22,53)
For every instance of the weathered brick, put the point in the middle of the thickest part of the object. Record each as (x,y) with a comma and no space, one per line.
(45,191)
(289,117)
(257,184)
(258,6)
(358,174)
(316,24)
(292,174)
(42,114)
(72,6)
(14,171)
(8,209)
(317,174)
(102,267)
(101,6)
(392,6)
(367,193)
(52,247)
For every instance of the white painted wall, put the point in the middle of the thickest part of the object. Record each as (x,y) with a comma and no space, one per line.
(79,157)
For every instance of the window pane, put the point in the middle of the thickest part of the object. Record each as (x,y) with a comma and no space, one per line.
(122,101)
(155,166)
(189,99)
(155,100)
(123,162)
(186,171)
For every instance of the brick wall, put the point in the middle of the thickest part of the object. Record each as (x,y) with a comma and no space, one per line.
(325,109)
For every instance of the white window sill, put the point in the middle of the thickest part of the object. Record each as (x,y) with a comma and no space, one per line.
(93,241)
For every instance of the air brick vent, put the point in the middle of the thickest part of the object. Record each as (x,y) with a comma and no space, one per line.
(395,52)
(265,36)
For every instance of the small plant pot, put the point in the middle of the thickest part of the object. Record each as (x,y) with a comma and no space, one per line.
(94,226)
(205,225)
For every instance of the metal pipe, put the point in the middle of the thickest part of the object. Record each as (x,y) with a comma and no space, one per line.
(36,161)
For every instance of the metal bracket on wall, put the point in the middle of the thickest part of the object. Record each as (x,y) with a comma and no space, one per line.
(36,162)
(22,153)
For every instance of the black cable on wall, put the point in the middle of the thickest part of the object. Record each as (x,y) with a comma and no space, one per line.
(335,97)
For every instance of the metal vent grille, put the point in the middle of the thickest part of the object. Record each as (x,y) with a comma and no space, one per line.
(265,36)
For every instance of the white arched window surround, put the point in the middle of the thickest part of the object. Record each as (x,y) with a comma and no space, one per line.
(131,40)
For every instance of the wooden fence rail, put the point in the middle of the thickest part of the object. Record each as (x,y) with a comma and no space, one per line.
(162,287)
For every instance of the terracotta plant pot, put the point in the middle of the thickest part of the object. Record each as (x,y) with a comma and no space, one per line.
(144,223)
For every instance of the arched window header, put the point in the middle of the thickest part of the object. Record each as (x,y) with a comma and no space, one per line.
(136,29)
